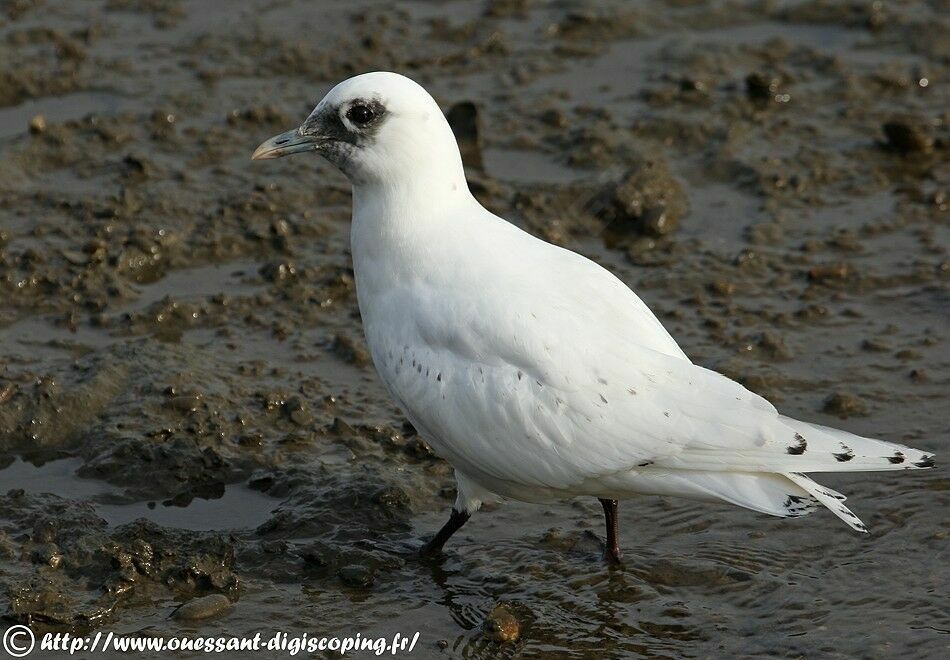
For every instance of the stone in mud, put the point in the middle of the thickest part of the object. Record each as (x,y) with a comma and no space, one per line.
(38,125)
(356,576)
(501,625)
(204,607)
(908,135)
(463,118)
(843,405)
(647,201)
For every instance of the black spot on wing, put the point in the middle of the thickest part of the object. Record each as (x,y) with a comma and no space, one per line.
(897,458)
(846,455)
(799,447)
(926,462)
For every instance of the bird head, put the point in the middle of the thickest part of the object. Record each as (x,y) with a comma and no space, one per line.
(377,128)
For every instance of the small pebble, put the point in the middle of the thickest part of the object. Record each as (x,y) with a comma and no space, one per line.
(38,125)
(501,625)
(203,608)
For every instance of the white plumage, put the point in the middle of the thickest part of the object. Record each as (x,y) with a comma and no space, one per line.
(535,372)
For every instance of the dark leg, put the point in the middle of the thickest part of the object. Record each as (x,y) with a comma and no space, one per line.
(434,547)
(612,518)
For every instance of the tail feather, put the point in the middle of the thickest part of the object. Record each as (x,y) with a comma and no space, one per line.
(856,453)
(793,445)
(763,492)
(831,499)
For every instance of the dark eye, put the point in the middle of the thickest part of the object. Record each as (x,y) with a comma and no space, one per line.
(360,114)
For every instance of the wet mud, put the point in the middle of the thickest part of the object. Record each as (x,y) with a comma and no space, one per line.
(192,437)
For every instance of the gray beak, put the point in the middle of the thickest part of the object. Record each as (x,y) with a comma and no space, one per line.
(291,142)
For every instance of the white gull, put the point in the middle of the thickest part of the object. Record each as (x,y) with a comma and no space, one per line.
(535,372)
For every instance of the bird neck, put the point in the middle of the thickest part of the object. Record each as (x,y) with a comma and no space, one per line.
(407,202)
(400,226)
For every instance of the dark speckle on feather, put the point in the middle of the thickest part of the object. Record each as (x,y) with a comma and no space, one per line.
(897,458)
(926,462)
(796,505)
(799,447)
(845,455)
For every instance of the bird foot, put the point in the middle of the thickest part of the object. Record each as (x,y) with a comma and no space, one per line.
(612,556)
(427,551)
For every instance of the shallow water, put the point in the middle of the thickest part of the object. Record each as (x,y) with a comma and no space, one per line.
(235,508)
(183,366)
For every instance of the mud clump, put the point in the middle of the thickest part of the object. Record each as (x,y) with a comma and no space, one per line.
(844,405)
(908,135)
(647,201)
